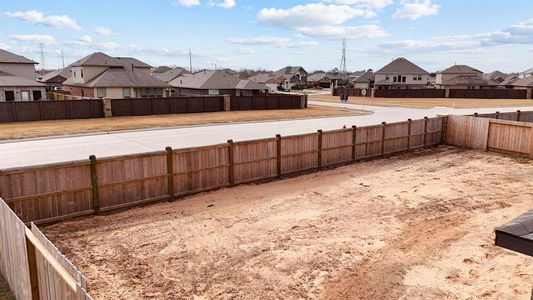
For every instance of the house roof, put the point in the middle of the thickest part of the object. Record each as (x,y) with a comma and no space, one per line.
(524,82)
(461,69)
(8,57)
(121,77)
(510,79)
(289,71)
(469,80)
(517,235)
(317,77)
(367,77)
(65,73)
(265,78)
(401,66)
(9,80)
(495,75)
(128,61)
(171,74)
(527,72)
(216,80)
(161,69)
(99,59)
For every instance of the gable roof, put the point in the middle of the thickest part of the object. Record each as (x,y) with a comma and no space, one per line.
(461,69)
(510,79)
(9,80)
(524,82)
(495,75)
(367,77)
(99,59)
(121,77)
(401,66)
(216,80)
(161,69)
(171,74)
(8,57)
(527,72)
(290,70)
(317,77)
(65,73)
(472,80)
(128,61)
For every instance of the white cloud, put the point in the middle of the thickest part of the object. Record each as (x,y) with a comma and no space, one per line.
(38,38)
(260,40)
(371,4)
(37,17)
(104,31)
(4,46)
(246,51)
(110,45)
(86,39)
(416,9)
(187,3)
(322,20)
(304,44)
(227,4)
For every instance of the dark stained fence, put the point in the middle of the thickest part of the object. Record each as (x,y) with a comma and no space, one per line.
(489,94)
(413,93)
(18,111)
(267,102)
(170,105)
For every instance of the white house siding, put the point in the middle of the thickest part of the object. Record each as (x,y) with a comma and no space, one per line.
(272,87)
(408,80)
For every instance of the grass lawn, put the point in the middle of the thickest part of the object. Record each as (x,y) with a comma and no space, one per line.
(5,293)
(18,130)
(428,102)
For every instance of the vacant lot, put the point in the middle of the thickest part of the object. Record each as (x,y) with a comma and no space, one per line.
(412,226)
(20,130)
(428,102)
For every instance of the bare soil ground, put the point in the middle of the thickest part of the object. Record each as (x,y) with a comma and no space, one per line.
(415,226)
(19,130)
(5,293)
(427,102)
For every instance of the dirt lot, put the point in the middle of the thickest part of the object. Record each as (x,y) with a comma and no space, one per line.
(63,127)
(428,102)
(416,226)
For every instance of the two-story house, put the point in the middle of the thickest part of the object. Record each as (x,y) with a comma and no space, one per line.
(100,75)
(401,74)
(17,78)
(463,77)
(292,77)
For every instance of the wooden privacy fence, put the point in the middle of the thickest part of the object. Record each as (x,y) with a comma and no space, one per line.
(519,116)
(19,111)
(58,191)
(281,101)
(490,134)
(350,92)
(410,93)
(33,267)
(488,94)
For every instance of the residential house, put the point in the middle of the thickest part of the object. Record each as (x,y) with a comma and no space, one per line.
(272,82)
(508,82)
(496,76)
(463,77)
(160,70)
(365,80)
(354,75)
(216,83)
(322,80)
(292,77)
(17,79)
(54,80)
(99,75)
(524,83)
(171,74)
(401,74)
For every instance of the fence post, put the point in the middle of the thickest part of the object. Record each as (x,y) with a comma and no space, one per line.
(383,125)
(444,129)
(95,195)
(32,264)
(231,171)
(518,115)
(425,130)
(409,134)
(497,115)
(278,154)
(319,149)
(476,115)
(354,143)
(170,173)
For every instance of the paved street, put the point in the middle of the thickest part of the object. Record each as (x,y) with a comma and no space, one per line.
(60,149)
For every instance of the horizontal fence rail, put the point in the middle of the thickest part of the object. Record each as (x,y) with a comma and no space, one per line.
(33,267)
(20,111)
(50,193)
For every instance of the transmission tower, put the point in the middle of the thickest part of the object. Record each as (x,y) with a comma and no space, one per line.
(41,46)
(342,68)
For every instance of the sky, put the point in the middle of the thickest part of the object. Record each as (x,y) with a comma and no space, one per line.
(435,34)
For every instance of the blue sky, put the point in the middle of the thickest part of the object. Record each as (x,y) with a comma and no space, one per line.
(487,34)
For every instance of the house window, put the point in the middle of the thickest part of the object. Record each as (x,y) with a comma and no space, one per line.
(159,93)
(37,95)
(387,77)
(214,92)
(144,93)
(81,71)
(101,92)
(25,95)
(9,95)
(394,79)
(403,78)
(126,92)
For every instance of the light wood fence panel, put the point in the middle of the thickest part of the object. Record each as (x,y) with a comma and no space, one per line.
(396,137)
(299,153)
(434,131)
(368,142)
(13,253)
(48,192)
(508,136)
(337,147)
(200,169)
(133,179)
(416,139)
(465,131)
(255,160)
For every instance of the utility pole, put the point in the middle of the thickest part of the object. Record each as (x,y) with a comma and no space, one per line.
(63,58)
(190,60)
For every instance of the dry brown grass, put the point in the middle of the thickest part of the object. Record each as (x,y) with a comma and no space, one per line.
(21,130)
(428,102)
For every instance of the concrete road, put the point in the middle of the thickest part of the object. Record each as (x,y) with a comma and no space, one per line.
(61,149)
